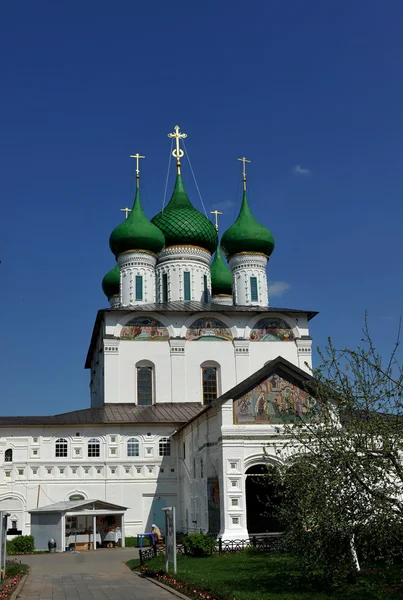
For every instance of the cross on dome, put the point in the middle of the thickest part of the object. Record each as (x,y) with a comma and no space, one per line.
(177,152)
(137,156)
(244,160)
(216,213)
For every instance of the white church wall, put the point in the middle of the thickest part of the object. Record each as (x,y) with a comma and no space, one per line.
(177,363)
(35,471)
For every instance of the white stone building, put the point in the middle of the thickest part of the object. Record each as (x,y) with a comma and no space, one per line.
(188,368)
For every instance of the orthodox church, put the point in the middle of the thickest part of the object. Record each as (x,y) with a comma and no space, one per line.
(189,367)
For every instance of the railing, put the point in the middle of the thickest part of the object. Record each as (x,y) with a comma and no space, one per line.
(269,543)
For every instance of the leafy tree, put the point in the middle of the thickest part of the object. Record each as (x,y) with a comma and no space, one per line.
(342,479)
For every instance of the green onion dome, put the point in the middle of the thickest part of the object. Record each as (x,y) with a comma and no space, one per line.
(136,233)
(182,224)
(247,234)
(221,276)
(111,282)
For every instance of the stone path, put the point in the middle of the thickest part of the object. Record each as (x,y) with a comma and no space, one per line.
(99,575)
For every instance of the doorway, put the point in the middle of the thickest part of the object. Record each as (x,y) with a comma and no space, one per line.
(261,502)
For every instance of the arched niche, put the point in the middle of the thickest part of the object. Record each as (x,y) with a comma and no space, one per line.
(261,501)
(208,328)
(144,328)
(271,329)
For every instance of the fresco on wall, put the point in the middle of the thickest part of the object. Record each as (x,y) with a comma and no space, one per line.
(275,400)
(213,502)
(144,329)
(208,329)
(271,329)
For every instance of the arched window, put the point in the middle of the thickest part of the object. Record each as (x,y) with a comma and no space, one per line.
(133,447)
(144,386)
(165,447)
(61,448)
(93,448)
(8,455)
(210,384)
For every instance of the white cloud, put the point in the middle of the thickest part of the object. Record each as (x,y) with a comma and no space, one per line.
(298,170)
(225,205)
(277,288)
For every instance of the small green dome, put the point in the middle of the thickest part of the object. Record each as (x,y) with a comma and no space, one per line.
(136,232)
(221,276)
(182,223)
(111,282)
(247,234)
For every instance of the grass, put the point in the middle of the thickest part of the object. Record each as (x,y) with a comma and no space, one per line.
(244,576)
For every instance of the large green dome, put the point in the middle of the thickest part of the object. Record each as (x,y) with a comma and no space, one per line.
(136,233)
(181,223)
(111,282)
(221,276)
(247,234)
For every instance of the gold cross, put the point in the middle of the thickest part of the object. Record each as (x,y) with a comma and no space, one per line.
(216,213)
(127,211)
(244,161)
(137,157)
(177,152)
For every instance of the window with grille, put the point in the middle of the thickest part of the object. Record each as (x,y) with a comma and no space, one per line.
(164,287)
(209,384)
(133,447)
(139,287)
(144,386)
(8,455)
(93,448)
(61,448)
(254,295)
(186,286)
(164,447)
(205,293)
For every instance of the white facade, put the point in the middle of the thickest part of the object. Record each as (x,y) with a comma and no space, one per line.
(37,476)
(177,374)
(137,278)
(187,273)
(249,279)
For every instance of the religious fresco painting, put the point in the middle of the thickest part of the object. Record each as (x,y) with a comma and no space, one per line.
(144,329)
(271,329)
(213,503)
(275,400)
(208,329)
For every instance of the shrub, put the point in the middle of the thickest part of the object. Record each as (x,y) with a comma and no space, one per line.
(199,544)
(22,544)
(131,542)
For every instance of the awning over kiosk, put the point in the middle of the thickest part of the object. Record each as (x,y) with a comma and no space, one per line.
(77,521)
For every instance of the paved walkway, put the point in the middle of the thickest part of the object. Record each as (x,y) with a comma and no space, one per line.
(99,575)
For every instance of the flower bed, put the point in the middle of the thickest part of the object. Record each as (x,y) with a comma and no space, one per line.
(14,573)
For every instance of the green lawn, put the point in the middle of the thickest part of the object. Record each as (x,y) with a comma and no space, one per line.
(242,576)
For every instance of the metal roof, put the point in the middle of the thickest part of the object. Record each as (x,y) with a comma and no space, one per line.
(189,307)
(68,505)
(115,414)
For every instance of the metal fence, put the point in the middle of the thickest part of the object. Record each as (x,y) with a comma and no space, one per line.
(270,543)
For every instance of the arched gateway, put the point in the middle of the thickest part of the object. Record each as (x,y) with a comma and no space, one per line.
(260,497)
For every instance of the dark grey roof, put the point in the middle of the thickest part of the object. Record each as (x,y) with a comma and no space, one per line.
(279,364)
(115,414)
(189,307)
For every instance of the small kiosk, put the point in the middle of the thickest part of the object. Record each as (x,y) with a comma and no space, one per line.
(78,525)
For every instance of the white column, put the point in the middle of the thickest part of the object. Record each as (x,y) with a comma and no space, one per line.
(304,353)
(63,534)
(122,529)
(111,371)
(132,265)
(243,267)
(242,365)
(178,370)
(94,532)
(173,262)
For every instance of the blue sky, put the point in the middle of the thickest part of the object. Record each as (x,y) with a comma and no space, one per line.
(311,92)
